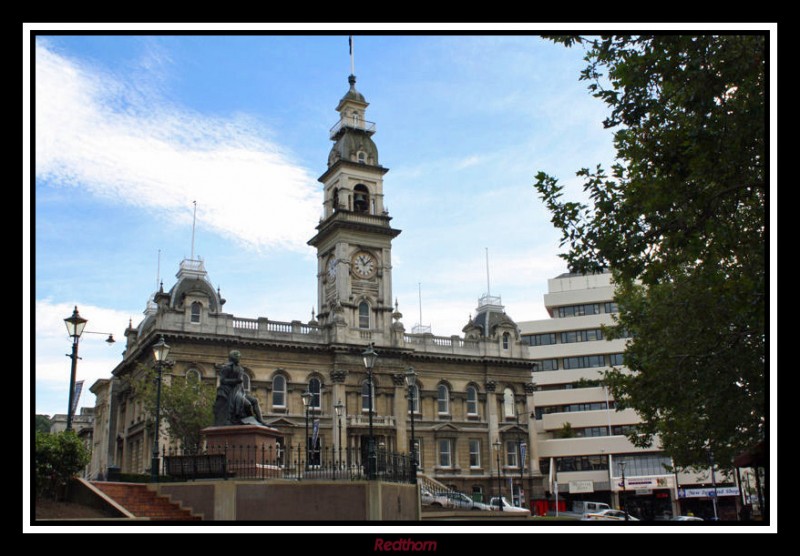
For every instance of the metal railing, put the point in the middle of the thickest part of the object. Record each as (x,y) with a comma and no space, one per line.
(262,463)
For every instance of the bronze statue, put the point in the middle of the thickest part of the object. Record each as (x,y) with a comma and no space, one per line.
(233,405)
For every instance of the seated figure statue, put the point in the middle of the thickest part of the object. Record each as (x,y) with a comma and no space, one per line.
(233,405)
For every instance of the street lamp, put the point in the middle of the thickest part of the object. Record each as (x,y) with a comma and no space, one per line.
(306,397)
(521,460)
(75,325)
(339,408)
(411,380)
(622,465)
(160,352)
(370,357)
(499,482)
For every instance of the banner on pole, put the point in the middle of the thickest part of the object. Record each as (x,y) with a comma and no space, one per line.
(78,388)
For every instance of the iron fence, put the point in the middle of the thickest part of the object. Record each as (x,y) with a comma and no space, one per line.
(290,462)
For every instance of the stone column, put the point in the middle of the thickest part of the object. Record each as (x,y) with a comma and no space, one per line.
(533,445)
(401,412)
(338,377)
(494,432)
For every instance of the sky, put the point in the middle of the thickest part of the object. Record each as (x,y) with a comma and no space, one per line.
(133,132)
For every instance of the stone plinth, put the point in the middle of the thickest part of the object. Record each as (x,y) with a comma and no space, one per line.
(249,449)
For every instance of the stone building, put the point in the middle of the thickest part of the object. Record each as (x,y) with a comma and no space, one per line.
(473,394)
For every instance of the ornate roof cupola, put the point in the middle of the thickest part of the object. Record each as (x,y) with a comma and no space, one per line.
(354,236)
(493,324)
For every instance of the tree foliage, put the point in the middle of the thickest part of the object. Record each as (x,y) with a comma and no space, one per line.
(42,423)
(186,408)
(59,458)
(680,221)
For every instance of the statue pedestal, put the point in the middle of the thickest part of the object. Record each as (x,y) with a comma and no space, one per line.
(251,450)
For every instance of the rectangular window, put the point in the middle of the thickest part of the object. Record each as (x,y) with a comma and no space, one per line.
(539,339)
(584,362)
(511,453)
(474,453)
(611,307)
(545,365)
(615,359)
(578,310)
(445,452)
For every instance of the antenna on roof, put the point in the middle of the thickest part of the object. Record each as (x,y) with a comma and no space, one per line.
(352,61)
(194,219)
(488,288)
(158,269)
(419,286)
(420,328)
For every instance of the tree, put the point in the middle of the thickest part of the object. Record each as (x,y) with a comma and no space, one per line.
(680,222)
(42,423)
(187,405)
(59,458)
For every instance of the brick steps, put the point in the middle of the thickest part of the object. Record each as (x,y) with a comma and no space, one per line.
(142,502)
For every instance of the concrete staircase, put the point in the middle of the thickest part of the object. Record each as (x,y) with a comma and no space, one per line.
(143,502)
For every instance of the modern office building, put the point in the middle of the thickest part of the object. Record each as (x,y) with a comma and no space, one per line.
(582,438)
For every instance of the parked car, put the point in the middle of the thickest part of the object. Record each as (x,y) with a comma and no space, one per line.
(686,518)
(458,500)
(493,505)
(608,515)
(426,497)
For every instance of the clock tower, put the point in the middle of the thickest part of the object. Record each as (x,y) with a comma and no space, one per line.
(354,237)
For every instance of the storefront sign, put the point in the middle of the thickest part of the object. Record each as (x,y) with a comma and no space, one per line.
(707,492)
(577,487)
(642,483)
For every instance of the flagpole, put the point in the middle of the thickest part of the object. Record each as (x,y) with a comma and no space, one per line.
(194,219)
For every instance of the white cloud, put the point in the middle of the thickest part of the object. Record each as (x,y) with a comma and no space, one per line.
(120,140)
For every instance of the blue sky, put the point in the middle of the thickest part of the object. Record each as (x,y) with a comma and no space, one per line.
(130,130)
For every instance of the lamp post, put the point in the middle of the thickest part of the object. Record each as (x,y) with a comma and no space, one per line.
(713,481)
(521,455)
(160,352)
(339,408)
(411,380)
(370,357)
(306,397)
(497,445)
(622,465)
(75,325)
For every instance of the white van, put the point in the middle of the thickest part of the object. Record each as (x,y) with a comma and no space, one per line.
(586,507)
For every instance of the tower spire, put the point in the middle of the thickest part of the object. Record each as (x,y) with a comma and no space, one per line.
(352,60)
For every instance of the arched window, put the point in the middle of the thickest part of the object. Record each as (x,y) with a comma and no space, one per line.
(193,376)
(336,198)
(365,395)
(246,382)
(505,340)
(508,403)
(363,315)
(315,387)
(414,403)
(362,157)
(196,312)
(360,198)
(443,399)
(279,391)
(472,400)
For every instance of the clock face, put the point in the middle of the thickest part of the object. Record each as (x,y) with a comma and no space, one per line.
(364,265)
(332,269)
